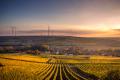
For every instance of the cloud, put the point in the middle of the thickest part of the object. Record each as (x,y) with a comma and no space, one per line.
(78,33)
(59,31)
(116,29)
(116,32)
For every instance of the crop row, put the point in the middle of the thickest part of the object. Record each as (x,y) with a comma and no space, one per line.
(55,69)
(20,70)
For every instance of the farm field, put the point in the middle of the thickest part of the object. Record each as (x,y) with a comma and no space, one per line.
(55,67)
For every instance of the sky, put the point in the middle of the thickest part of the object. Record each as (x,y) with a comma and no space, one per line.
(82,18)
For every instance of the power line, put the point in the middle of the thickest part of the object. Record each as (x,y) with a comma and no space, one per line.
(48,30)
(13,31)
(49,38)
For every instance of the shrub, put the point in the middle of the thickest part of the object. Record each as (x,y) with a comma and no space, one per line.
(112,75)
(1,64)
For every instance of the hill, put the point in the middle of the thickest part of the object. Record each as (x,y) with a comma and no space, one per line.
(61,41)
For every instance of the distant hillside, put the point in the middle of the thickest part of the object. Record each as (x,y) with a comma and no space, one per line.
(89,43)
